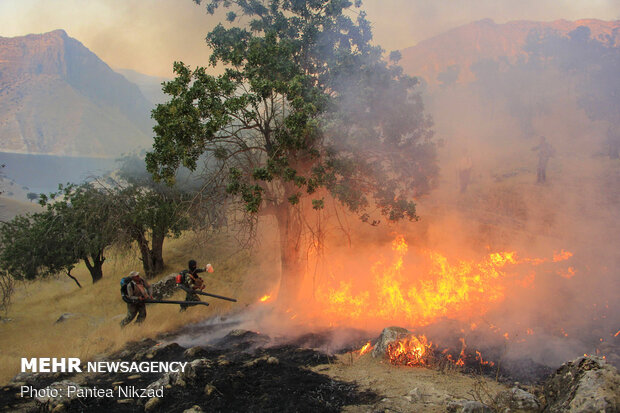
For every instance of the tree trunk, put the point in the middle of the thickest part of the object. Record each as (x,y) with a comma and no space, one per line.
(152,258)
(147,261)
(96,268)
(157,252)
(289,228)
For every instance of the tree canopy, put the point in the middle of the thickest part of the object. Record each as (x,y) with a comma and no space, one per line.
(306,108)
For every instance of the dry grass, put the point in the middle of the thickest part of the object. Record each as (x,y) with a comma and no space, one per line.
(98,308)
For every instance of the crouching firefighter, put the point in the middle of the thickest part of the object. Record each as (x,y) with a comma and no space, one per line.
(192,281)
(134,290)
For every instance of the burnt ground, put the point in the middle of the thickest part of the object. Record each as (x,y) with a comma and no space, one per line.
(239,370)
(236,374)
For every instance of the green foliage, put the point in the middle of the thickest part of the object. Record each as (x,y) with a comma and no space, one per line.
(306,100)
(76,225)
(150,211)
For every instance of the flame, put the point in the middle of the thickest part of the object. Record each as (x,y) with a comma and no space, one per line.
(568,274)
(561,256)
(617,334)
(367,347)
(409,351)
(436,287)
(265,298)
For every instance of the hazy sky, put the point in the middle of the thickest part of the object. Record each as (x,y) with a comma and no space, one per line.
(148,35)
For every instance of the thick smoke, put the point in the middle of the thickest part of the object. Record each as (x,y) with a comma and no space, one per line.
(492,197)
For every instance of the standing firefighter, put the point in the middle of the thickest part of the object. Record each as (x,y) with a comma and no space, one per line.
(545,151)
(134,290)
(190,279)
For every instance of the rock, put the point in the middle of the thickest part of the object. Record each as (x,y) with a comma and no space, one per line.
(517,400)
(181,379)
(152,404)
(210,389)
(61,408)
(415,394)
(194,352)
(273,360)
(193,409)
(388,335)
(134,377)
(165,287)
(468,406)
(586,384)
(60,387)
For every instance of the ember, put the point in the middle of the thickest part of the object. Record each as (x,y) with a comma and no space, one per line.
(265,298)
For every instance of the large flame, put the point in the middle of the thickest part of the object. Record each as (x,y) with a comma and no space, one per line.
(435,287)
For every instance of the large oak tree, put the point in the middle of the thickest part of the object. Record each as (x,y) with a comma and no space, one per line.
(306,108)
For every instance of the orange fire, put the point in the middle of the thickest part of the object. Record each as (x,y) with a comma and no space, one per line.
(367,347)
(265,298)
(410,351)
(434,287)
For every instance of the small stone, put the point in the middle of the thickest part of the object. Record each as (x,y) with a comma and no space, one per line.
(193,352)
(125,401)
(209,389)
(117,383)
(133,377)
(152,404)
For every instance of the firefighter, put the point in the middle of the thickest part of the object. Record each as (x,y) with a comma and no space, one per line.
(135,290)
(192,280)
(545,151)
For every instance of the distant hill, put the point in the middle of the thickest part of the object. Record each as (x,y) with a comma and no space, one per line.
(150,86)
(59,98)
(452,53)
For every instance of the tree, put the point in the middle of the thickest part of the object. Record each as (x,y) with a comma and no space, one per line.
(76,225)
(149,212)
(32,196)
(306,109)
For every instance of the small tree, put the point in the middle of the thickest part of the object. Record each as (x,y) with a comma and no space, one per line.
(306,108)
(32,196)
(149,212)
(76,225)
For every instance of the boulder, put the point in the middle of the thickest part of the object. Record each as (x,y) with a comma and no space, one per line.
(388,335)
(587,384)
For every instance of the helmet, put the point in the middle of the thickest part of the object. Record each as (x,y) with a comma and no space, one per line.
(192,265)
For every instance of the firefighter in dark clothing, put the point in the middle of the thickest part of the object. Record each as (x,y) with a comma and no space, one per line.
(192,280)
(136,291)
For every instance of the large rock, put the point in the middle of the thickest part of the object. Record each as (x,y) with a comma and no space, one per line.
(165,287)
(587,384)
(388,335)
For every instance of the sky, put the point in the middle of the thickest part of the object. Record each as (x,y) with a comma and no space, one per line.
(149,35)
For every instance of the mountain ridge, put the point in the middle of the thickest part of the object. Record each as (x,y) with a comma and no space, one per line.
(485,39)
(58,98)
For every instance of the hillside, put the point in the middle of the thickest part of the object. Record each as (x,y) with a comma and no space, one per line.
(485,39)
(59,98)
